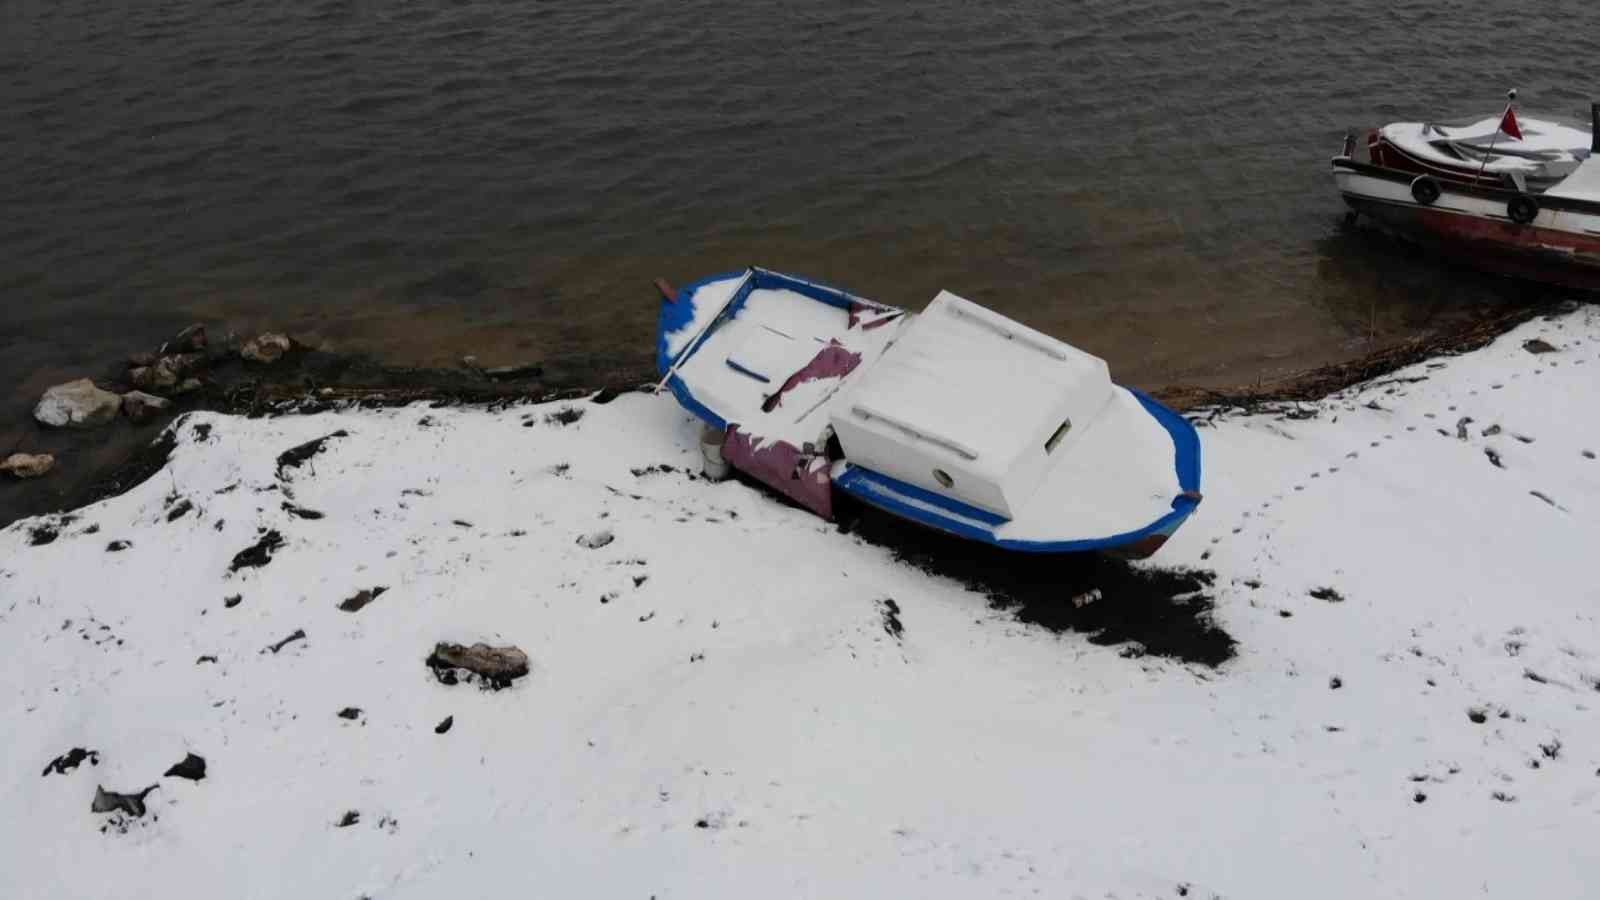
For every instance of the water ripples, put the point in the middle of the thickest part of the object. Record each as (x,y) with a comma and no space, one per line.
(1145,178)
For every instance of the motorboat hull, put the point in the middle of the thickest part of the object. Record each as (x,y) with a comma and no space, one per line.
(1476,223)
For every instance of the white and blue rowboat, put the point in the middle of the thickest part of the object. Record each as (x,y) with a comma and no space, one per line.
(956,418)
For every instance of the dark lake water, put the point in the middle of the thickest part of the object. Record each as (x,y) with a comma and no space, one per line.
(427,178)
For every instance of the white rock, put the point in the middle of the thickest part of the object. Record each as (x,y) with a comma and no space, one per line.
(27,465)
(77,404)
(265,348)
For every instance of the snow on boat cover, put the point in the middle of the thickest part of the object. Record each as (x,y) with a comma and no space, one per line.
(957,418)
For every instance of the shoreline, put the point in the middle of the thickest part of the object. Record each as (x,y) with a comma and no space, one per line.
(308,379)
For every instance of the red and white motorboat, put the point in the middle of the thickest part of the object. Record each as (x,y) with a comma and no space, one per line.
(1515,195)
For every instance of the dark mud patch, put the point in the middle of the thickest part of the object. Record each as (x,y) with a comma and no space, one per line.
(70,760)
(118,546)
(191,767)
(1327,594)
(361,599)
(110,801)
(258,554)
(1155,612)
(300,512)
(444,726)
(121,476)
(564,416)
(297,456)
(42,534)
(299,635)
(889,611)
(179,510)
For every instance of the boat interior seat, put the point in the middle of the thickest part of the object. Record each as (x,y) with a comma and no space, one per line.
(767,354)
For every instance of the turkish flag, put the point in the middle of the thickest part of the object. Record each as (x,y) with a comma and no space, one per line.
(1508,124)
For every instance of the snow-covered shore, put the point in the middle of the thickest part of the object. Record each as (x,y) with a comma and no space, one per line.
(729,697)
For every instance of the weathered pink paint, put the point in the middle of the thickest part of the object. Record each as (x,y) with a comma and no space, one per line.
(832,361)
(802,477)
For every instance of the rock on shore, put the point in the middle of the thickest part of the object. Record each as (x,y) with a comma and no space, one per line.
(139,406)
(27,465)
(265,348)
(77,404)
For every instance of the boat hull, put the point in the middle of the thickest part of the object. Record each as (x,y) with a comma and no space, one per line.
(1472,224)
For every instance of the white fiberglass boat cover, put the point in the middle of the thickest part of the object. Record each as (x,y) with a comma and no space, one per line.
(970,404)
(1546,148)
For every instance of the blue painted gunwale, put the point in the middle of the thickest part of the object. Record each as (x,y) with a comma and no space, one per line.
(898,497)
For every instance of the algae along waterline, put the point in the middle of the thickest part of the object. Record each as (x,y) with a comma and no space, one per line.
(394,650)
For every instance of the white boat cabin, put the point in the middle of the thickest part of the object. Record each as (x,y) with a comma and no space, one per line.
(971,405)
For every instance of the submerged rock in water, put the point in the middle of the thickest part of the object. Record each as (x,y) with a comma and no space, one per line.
(189,340)
(77,404)
(265,348)
(158,377)
(185,364)
(27,465)
(139,406)
(499,666)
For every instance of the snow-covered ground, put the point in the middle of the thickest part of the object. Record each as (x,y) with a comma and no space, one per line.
(718,705)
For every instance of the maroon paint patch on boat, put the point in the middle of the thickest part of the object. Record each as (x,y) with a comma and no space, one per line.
(832,361)
(802,477)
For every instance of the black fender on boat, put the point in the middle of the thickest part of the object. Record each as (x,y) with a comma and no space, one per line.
(1522,209)
(1425,189)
